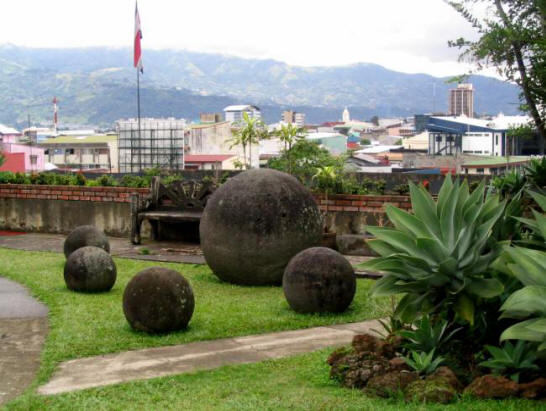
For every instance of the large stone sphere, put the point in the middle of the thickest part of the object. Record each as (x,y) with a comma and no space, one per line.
(83,236)
(90,269)
(255,223)
(319,280)
(158,300)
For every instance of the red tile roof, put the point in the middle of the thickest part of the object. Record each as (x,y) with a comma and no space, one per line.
(332,123)
(352,146)
(206,158)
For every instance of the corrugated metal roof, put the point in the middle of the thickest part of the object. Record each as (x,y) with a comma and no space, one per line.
(110,138)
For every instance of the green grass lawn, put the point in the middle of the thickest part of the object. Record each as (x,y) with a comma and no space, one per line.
(292,383)
(82,325)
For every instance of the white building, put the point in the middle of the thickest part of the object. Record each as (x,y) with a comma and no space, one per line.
(234,114)
(465,135)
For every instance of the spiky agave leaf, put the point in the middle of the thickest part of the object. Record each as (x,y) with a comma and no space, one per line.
(439,254)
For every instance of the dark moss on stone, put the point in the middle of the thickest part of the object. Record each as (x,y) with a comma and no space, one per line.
(319,280)
(158,300)
(90,269)
(85,235)
(255,223)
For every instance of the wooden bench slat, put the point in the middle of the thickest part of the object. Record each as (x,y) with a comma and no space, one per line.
(172,215)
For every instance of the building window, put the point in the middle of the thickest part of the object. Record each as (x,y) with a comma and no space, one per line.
(33,160)
(479,170)
(69,151)
(496,139)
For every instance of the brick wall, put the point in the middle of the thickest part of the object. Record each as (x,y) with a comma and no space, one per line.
(70,193)
(361,203)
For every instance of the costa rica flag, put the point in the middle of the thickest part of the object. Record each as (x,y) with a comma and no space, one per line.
(138,36)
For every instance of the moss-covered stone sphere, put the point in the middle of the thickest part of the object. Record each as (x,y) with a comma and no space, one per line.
(83,236)
(319,280)
(255,223)
(90,269)
(158,300)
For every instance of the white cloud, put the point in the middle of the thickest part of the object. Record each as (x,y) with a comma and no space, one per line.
(404,35)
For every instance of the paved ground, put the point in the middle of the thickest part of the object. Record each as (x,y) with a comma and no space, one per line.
(23,327)
(159,362)
(176,252)
(121,247)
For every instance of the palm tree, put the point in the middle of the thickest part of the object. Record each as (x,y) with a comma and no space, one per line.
(249,132)
(289,134)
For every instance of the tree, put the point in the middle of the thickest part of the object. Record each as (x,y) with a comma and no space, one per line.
(374,120)
(305,158)
(513,40)
(289,135)
(249,132)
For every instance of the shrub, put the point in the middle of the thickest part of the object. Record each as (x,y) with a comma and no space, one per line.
(440,255)
(106,181)
(7,177)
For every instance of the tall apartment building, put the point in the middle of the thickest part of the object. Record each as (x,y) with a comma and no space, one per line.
(461,100)
(293,117)
(234,114)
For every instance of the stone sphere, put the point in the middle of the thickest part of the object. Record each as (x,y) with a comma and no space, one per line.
(255,223)
(158,300)
(83,236)
(90,269)
(319,280)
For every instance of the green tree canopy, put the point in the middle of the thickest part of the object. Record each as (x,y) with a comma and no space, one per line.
(513,40)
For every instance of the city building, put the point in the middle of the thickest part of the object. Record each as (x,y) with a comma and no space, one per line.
(158,144)
(89,153)
(461,100)
(211,117)
(464,135)
(293,117)
(494,165)
(210,161)
(335,143)
(19,157)
(217,139)
(234,114)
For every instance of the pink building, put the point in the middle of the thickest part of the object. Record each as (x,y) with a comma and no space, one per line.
(34,158)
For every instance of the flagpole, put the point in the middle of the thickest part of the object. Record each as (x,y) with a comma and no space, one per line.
(138,113)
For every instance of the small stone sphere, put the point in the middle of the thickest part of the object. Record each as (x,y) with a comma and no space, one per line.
(158,300)
(319,280)
(255,223)
(83,236)
(90,269)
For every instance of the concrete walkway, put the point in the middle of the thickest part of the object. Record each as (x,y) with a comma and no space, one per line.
(164,251)
(23,327)
(159,362)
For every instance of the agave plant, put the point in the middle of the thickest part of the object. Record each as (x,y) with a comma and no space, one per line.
(423,363)
(511,360)
(425,336)
(439,256)
(537,238)
(529,302)
(536,172)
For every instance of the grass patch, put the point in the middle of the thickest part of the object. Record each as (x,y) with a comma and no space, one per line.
(292,383)
(83,325)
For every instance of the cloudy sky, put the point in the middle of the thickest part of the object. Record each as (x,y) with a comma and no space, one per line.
(409,36)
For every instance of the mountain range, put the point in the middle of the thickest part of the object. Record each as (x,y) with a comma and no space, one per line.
(97,86)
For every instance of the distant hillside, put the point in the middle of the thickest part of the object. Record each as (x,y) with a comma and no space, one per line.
(97,86)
